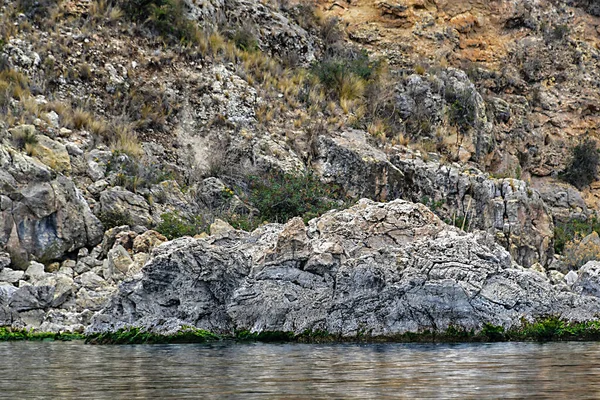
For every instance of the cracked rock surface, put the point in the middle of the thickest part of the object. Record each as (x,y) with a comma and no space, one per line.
(377,269)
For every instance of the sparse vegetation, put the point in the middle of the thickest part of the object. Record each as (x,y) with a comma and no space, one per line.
(139,336)
(280,197)
(545,329)
(113,219)
(174,225)
(583,167)
(166,17)
(23,137)
(567,233)
(345,75)
(10,335)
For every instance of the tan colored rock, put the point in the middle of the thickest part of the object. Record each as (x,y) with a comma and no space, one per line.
(53,154)
(556,277)
(220,227)
(537,267)
(53,267)
(579,252)
(148,240)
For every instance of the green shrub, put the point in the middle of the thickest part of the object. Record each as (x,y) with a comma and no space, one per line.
(551,328)
(24,136)
(565,232)
(245,40)
(583,167)
(112,219)
(492,333)
(173,225)
(345,73)
(280,197)
(166,17)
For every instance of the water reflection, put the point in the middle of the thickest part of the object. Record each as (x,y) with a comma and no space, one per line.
(226,370)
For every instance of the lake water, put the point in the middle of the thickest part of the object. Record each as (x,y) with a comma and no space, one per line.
(257,370)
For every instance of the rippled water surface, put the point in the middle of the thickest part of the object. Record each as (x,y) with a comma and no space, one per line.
(229,370)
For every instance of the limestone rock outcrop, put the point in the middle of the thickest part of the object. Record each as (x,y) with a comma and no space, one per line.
(374,269)
(508,209)
(42,213)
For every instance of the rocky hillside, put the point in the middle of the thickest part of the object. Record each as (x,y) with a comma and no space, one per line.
(126,124)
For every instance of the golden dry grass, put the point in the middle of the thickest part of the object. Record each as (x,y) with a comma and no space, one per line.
(126,142)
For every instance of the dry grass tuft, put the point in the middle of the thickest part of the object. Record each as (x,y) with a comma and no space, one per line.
(126,142)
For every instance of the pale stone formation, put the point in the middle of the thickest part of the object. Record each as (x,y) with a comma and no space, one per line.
(374,269)
(41,213)
(508,209)
(220,227)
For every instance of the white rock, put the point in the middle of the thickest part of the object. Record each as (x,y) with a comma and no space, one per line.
(35,272)
(10,276)
(571,278)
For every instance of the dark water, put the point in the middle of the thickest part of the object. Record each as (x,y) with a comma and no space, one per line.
(474,371)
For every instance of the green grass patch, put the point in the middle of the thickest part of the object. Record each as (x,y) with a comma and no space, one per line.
(543,330)
(10,334)
(280,197)
(173,225)
(140,336)
(565,232)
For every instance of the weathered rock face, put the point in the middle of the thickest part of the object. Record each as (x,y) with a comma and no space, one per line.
(362,170)
(506,208)
(41,212)
(378,269)
(66,298)
(425,101)
(274,31)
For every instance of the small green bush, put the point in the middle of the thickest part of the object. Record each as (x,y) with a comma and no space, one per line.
(174,225)
(583,168)
(335,72)
(166,17)
(23,137)
(280,197)
(112,219)
(567,231)
(245,40)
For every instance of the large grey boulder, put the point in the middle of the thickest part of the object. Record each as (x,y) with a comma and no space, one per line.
(120,203)
(8,317)
(507,208)
(375,269)
(28,298)
(588,279)
(41,213)
(10,276)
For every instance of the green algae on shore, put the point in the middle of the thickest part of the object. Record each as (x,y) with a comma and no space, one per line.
(543,330)
(10,334)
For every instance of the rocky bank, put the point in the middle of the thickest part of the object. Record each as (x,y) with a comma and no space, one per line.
(375,269)
(452,121)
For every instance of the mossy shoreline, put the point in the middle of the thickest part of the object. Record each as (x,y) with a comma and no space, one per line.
(550,329)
